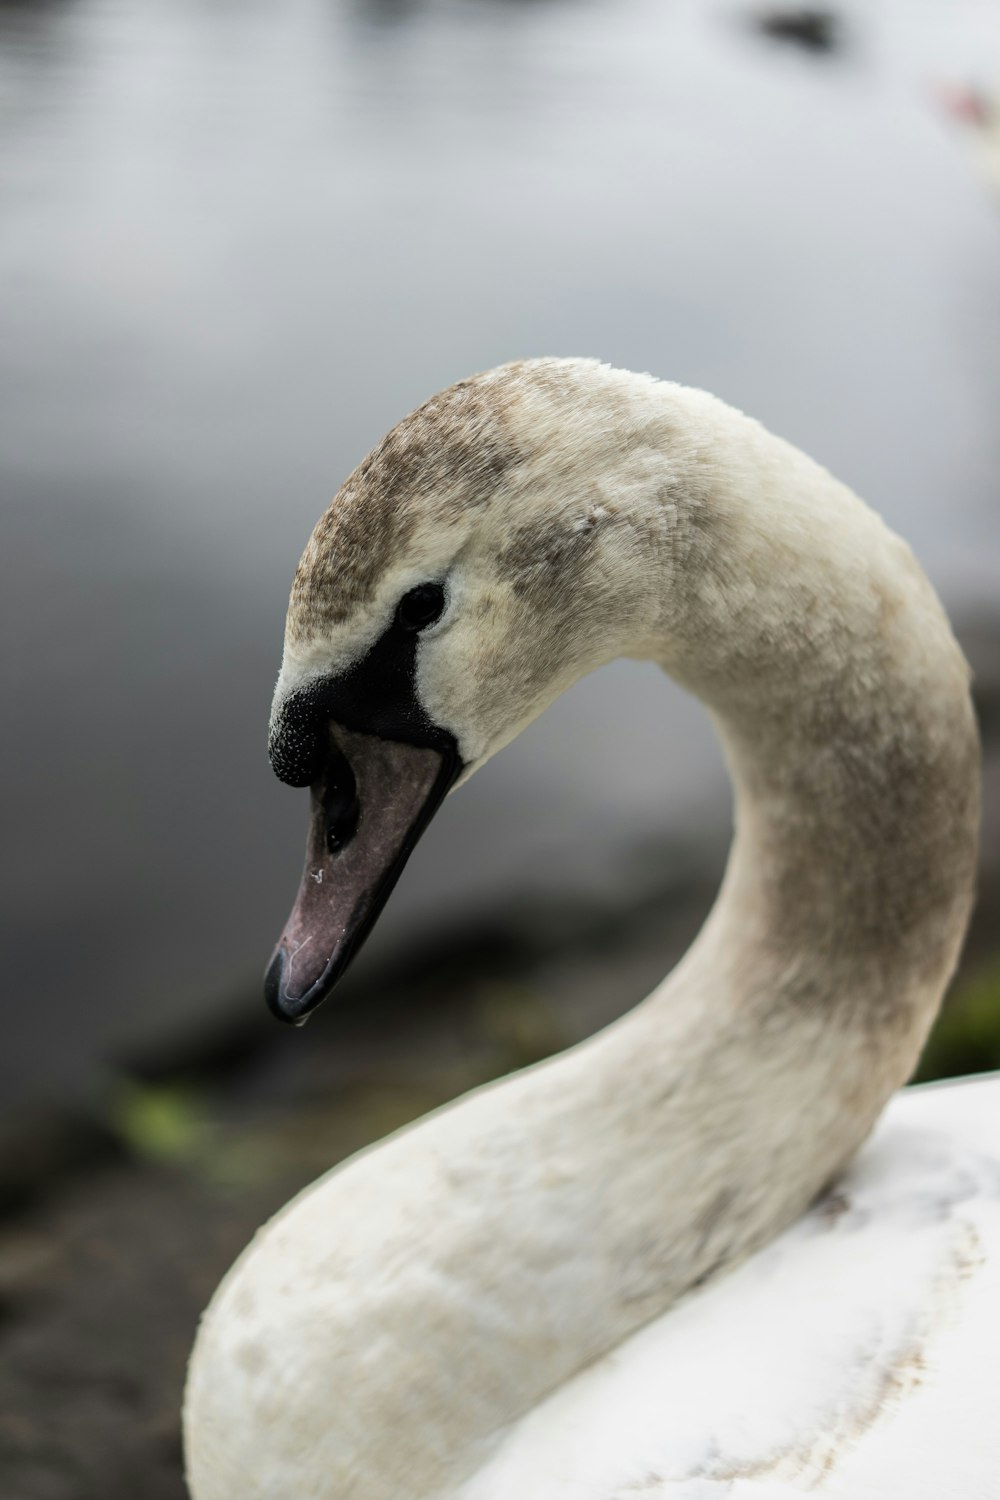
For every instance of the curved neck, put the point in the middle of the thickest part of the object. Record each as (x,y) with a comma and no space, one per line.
(612,1179)
(842,702)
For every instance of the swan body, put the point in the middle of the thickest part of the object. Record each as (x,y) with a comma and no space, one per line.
(855,1356)
(523,1294)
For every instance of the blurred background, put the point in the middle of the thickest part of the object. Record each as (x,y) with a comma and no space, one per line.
(237,243)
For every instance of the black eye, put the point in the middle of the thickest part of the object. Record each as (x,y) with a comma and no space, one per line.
(421,606)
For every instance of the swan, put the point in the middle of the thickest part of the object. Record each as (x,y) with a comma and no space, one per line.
(522,1295)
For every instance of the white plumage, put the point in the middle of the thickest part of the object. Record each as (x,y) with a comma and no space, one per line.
(580,1283)
(855,1356)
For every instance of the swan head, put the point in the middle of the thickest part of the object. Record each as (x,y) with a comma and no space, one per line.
(476,563)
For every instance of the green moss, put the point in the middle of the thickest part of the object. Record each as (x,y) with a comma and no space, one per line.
(162,1122)
(966,1036)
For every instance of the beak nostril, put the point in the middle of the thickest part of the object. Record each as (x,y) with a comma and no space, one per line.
(340,803)
(340,832)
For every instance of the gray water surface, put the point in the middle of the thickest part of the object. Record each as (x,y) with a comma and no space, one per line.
(238,242)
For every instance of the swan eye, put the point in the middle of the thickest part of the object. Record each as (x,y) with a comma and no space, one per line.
(421,606)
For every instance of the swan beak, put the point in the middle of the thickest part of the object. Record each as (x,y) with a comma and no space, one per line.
(372,802)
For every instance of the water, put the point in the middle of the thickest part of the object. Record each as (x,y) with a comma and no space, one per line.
(239,241)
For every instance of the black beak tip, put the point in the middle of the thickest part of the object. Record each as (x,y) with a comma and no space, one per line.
(294,1010)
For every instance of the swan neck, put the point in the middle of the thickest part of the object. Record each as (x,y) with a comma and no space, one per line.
(841,699)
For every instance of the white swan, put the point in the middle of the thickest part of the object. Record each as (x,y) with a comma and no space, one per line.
(478,1307)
